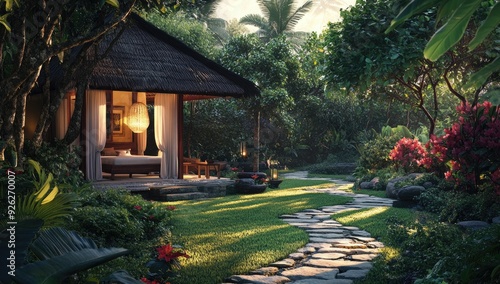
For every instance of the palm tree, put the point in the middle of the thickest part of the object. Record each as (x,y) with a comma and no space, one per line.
(280,17)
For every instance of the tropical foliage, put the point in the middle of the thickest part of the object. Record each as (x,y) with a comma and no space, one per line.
(280,17)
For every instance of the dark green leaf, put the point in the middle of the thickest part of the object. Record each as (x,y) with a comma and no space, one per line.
(413,8)
(486,27)
(451,32)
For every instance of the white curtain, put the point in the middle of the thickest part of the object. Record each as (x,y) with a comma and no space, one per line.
(166,133)
(95,132)
(142,138)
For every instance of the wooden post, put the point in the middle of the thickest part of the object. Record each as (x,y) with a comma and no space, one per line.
(180,124)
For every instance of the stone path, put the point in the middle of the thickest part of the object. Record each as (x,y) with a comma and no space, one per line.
(334,254)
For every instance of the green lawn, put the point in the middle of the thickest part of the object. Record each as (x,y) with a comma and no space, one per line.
(238,233)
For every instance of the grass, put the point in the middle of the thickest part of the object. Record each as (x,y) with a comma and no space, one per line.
(238,233)
(376,221)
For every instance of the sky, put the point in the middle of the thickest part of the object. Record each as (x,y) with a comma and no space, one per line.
(322,12)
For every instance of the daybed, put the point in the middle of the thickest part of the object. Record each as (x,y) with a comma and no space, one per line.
(125,163)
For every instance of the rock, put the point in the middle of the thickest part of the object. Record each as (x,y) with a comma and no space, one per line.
(366,185)
(496,220)
(267,271)
(285,263)
(410,192)
(390,190)
(428,184)
(473,225)
(353,274)
(309,271)
(258,279)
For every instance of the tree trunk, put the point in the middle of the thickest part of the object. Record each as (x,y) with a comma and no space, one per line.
(75,123)
(256,142)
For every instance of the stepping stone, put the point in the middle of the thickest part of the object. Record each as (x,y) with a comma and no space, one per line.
(327,236)
(353,274)
(322,281)
(363,257)
(301,220)
(342,265)
(361,233)
(327,231)
(310,272)
(307,250)
(258,279)
(267,271)
(319,245)
(328,255)
(363,239)
(375,245)
(350,228)
(297,256)
(285,263)
(350,246)
(330,240)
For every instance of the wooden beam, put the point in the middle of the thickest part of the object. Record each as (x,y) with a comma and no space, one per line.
(180,130)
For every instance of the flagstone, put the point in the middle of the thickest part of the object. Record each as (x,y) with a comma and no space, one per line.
(258,279)
(327,235)
(309,271)
(353,274)
(329,255)
(363,257)
(287,262)
(270,270)
(342,265)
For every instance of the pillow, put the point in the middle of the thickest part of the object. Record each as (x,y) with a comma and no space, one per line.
(123,152)
(109,151)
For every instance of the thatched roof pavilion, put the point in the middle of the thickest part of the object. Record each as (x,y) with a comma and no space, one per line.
(147,59)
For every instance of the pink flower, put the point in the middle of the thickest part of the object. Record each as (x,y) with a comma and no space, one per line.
(138,207)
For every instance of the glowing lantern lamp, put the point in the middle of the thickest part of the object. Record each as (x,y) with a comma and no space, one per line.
(138,118)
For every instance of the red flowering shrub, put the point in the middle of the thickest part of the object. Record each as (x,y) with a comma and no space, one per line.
(471,147)
(164,264)
(408,154)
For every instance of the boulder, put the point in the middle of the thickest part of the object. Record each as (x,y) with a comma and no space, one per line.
(473,225)
(410,192)
(366,185)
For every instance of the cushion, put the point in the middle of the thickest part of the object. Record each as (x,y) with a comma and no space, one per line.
(123,152)
(109,151)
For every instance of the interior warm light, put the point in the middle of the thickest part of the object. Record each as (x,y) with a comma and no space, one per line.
(138,118)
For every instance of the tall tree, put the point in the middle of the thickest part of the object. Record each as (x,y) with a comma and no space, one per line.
(360,55)
(32,32)
(280,17)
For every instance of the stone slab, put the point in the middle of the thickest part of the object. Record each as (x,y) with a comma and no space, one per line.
(342,265)
(353,274)
(285,263)
(310,272)
(258,279)
(329,255)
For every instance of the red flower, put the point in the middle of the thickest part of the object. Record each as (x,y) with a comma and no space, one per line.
(167,253)
(151,217)
(171,207)
(255,176)
(138,207)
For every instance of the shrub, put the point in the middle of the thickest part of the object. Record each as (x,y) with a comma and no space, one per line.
(374,154)
(62,161)
(118,218)
(470,147)
(452,206)
(408,155)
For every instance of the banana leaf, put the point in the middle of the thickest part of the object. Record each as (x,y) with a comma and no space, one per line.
(62,254)
(24,232)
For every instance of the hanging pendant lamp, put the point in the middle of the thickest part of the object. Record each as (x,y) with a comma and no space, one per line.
(138,118)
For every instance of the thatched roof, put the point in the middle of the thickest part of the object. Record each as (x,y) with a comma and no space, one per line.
(146,59)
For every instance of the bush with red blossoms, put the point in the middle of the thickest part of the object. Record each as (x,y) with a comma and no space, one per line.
(408,155)
(470,147)
(164,264)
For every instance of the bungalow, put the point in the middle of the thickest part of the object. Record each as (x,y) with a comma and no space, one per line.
(146,65)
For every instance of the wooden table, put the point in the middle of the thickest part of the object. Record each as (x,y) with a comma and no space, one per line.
(207,165)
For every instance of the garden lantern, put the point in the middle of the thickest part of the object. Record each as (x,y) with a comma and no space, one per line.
(243,149)
(138,118)
(274,174)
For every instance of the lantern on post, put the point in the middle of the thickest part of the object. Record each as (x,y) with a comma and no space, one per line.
(138,118)
(243,149)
